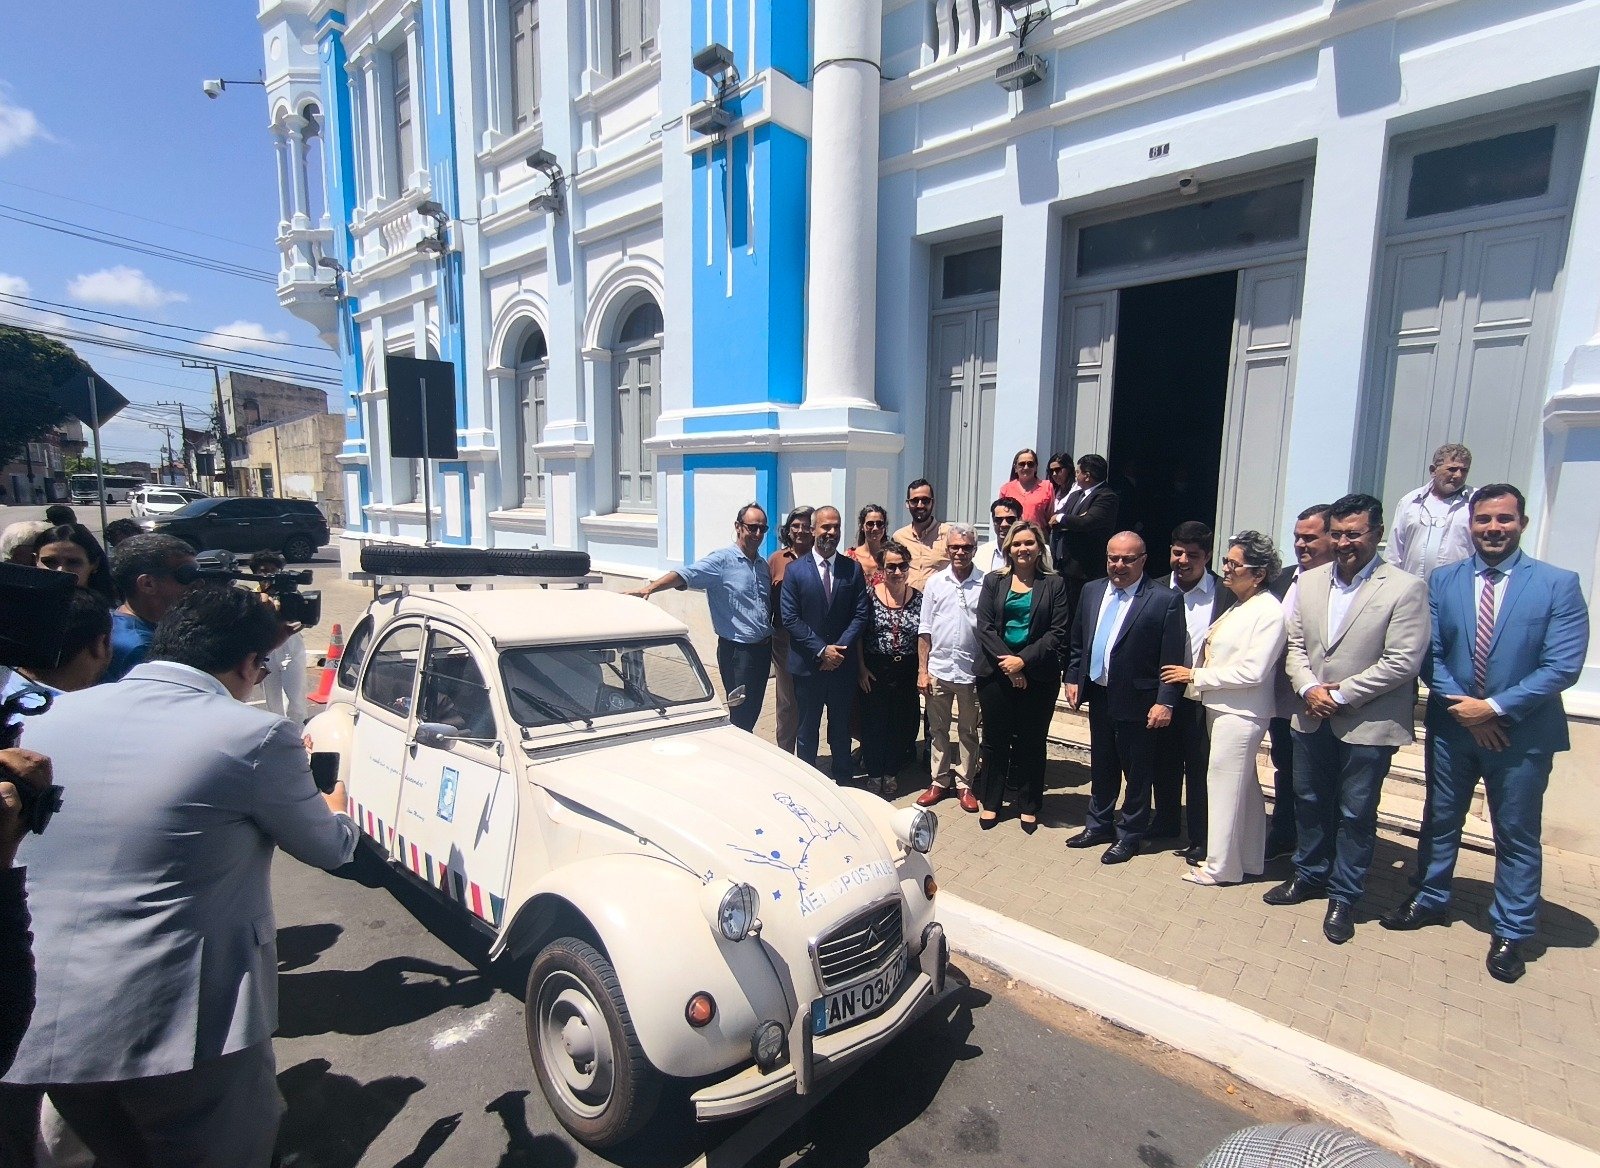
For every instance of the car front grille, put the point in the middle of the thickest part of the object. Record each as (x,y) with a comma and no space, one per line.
(860,945)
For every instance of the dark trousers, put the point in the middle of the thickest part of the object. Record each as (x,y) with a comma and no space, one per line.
(746,665)
(833,692)
(1515,783)
(1281,832)
(1016,723)
(1122,757)
(890,714)
(1336,789)
(1183,751)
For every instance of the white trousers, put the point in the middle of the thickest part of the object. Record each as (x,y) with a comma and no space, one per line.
(284,688)
(1236,812)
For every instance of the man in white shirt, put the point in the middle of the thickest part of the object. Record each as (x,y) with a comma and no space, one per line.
(990,555)
(1184,748)
(1432,525)
(947,661)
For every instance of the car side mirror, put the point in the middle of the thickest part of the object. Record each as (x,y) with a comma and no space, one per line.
(736,696)
(436,734)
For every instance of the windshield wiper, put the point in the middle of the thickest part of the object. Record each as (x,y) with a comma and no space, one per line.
(550,708)
(636,692)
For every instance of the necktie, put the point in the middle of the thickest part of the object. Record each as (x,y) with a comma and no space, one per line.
(1102,637)
(827,581)
(1485,634)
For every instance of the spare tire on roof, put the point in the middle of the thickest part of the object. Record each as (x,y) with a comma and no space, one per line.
(398,559)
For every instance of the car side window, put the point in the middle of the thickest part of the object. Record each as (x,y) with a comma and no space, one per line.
(390,674)
(355,652)
(453,689)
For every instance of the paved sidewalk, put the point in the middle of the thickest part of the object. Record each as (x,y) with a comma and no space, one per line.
(1419,1003)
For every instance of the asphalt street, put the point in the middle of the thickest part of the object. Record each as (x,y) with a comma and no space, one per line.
(398,1047)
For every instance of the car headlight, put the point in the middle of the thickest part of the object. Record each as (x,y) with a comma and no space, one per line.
(732,911)
(915,827)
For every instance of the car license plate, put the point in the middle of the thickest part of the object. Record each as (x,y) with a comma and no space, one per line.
(853,1003)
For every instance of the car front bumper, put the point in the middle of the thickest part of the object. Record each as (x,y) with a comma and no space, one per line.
(814,1058)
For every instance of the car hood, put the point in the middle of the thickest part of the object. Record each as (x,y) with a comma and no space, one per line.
(729,805)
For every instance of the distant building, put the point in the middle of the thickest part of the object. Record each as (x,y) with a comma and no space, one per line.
(40,474)
(248,403)
(297,459)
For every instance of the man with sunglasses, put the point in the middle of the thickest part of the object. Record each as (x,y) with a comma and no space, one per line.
(151,897)
(144,571)
(1357,641)
(737,581)
(924,536)
(990,555)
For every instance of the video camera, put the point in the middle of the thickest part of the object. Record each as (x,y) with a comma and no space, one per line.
(301,607)
(33,618)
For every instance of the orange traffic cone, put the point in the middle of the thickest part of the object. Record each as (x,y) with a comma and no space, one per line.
(330,666)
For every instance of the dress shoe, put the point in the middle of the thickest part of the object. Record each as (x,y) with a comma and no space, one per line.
(1505,959)
(1409,916)
(1201,877)
(969,802)
(1340,923)
(1089,839)
(988,824)
(1029,826)
(1194,854)
(932,795)
(1293,891)
(1120,852)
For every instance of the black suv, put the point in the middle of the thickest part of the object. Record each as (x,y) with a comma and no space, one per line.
(292,526)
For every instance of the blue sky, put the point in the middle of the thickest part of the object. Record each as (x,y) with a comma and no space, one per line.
(102,103)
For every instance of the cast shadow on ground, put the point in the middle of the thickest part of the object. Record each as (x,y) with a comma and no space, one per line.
(301,945)
(331,1119)
(386,995)
(523,1148)
(894,1089)
(430,1142)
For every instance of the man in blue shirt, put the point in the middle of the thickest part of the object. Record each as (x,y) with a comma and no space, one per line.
(738,588)
(144,569)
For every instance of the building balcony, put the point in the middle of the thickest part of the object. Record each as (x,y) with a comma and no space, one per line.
(303,288)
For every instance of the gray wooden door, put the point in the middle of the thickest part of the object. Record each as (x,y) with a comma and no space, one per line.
(965,368)
(1083,392)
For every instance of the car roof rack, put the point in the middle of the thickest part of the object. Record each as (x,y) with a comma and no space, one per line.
(382,582)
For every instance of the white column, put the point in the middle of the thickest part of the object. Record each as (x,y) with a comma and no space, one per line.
(300,216)
(358,130)
(419,107)
(841,285)
(494,79)
(280,150)
(376,135)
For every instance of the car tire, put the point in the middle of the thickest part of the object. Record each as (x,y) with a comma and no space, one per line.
(588,1060)
(392,559)
(297,549)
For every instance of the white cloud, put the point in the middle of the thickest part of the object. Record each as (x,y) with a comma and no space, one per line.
(121,287)
(14,285)
(243,334)
(18,126)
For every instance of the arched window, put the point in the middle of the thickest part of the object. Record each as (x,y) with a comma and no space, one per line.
(315,168)
(533,365)
(636,364)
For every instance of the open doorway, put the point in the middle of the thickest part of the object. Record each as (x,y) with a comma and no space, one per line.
(1173,351)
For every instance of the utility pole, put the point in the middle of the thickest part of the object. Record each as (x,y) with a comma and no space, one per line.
(222,436)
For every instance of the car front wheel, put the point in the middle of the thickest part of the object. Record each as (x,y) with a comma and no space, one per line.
(297,549)
(585,1053)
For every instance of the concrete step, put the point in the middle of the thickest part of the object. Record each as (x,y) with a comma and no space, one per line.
(1399,807)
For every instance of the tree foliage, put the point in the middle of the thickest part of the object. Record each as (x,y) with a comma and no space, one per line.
(31,365)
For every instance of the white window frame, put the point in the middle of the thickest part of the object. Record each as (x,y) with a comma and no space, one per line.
(623,356)
(623,52)
(533,403)
(402,112)
(520,113)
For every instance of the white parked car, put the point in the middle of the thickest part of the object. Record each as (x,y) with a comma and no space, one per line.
(155,500)
(693,902)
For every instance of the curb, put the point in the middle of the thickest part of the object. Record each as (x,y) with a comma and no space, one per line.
(1381,1104)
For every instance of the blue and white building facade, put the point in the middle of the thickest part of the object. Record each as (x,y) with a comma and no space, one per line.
(1258,252)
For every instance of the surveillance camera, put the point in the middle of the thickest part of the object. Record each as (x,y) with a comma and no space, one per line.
(543,160)
(431,208)
(213,87)
(1188,184)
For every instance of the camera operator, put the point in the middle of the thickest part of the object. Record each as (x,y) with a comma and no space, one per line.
(284,687)
(143,568)
(157,1049)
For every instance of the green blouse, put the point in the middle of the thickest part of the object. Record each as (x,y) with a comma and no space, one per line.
(1019,614)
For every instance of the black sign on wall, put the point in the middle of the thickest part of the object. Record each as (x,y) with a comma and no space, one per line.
(422,407)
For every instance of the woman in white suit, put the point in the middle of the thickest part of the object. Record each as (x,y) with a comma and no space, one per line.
(1237,681)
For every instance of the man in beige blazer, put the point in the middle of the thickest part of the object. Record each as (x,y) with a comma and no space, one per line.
(1357,642)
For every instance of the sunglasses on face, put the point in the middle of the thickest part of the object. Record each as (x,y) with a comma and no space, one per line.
(1026,462)
(875,523)
(897,567)
(756,528)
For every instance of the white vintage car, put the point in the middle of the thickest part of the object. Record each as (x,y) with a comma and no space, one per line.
(694,902)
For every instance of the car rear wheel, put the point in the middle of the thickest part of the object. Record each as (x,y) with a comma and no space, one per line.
(585,1053)
(297,549)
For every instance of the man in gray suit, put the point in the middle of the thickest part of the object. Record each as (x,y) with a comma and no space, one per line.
(1357,642)
(152,911)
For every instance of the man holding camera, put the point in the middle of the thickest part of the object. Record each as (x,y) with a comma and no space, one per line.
(144,569)
(152,913)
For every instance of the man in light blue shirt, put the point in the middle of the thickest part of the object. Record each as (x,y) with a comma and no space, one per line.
(738,587)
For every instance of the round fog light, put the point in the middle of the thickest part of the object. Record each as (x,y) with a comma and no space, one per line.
(766,1045)
(701,1009)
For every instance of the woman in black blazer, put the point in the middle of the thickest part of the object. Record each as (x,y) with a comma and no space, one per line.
(1022,631)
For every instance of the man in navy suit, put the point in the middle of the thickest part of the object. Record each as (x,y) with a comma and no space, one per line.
(1509,634)
(1126,628)
(823,605)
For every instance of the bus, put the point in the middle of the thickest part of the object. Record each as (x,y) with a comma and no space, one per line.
(85,487)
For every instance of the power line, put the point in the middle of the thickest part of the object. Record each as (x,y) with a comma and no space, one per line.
(74,308)
(156,250)
(131,215)
(71,315)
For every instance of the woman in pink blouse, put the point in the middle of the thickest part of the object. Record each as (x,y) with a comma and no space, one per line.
(1027,488)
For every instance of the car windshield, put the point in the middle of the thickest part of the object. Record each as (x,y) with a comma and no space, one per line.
(548,685)
(197,507)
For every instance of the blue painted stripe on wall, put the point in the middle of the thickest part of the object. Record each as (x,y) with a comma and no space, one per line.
(717,423)
(439,133)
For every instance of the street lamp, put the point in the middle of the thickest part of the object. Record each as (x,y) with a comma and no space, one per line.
(212,87)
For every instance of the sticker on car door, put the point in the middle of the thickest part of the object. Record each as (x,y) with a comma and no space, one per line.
(449,780)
